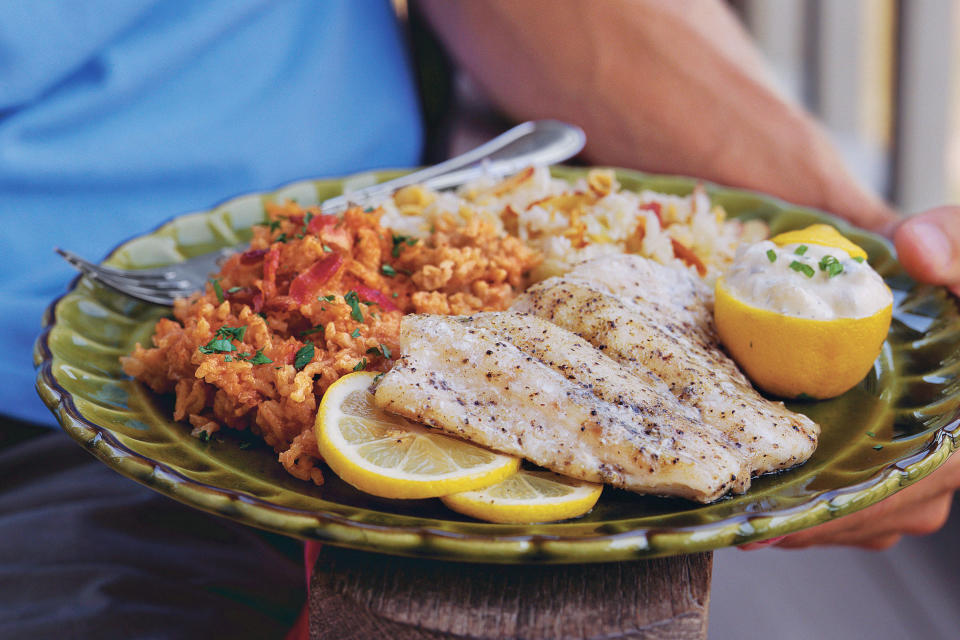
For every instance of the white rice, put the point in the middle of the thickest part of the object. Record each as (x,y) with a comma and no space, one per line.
(608,221)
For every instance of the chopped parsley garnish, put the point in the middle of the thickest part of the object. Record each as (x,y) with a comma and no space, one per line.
(355,333)
(304,356)
(388,270)
(771,255)
(399,241)
(327,298)
(234,289)
(217,345)
(369,303)
(352,299)
(394,294)
(228,358)
(326,249)
(802,249)
(273,225)
(259,358)
(382,350)
(831,265)
(377,377)
(360,366)
(368,210)
(231,333)
(204,435)
(315,329)
(262,315)
(859,259)
(871,434)
(281,238)
(878,447)
(805,269)
(217,289)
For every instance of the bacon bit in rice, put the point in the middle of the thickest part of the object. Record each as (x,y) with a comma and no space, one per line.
(690,258)
(317,279)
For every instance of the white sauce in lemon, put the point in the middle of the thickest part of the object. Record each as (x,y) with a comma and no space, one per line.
(855,292)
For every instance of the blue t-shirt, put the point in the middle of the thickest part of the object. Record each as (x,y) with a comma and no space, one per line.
(118,114)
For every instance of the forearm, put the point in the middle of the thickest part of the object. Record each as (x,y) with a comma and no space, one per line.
(671,87)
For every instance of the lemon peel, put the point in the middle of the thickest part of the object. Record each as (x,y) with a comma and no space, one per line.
(821,234)
(527,497)
(795,357)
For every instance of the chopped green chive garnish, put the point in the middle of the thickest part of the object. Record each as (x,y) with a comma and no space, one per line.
(353,300)
(281,238)
(304,356)
(802,249)
(217,289)
(805,269)
(228,358)
(377,377)
(368,210)
(327,298)
(355,333)
(388,270)
(327,249)
(204,435)
(771,255)
(831,265)
(859,259)
(871,434)
(316,329)
(234,289)
(878,447)
(259,358)
(360,366)
(394,294)
(262,315)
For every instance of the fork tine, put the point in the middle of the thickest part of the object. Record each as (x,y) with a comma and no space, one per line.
(143,275)
(119,280)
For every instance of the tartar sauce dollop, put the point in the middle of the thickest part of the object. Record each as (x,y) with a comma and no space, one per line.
(806,281)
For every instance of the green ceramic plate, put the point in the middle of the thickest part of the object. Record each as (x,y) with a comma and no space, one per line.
(909,402)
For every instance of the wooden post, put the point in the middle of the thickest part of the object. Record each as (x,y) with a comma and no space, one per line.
(357,595)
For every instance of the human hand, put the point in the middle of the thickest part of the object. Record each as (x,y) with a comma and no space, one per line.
(928,246)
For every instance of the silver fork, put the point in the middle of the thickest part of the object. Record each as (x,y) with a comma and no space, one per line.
(540,142)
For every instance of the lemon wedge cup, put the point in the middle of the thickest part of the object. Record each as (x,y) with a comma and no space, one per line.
(795,357)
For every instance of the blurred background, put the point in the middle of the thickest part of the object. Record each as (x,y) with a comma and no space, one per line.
(882,75)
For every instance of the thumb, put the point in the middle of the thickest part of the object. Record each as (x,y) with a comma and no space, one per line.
(928,246)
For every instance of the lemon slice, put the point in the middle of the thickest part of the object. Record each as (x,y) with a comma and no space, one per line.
(821,234)
(527,497)
(391,457)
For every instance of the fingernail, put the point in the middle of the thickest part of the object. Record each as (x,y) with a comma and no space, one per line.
(934,244)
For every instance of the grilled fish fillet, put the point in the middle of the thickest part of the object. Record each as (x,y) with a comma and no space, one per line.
(650,317)
(521,385)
